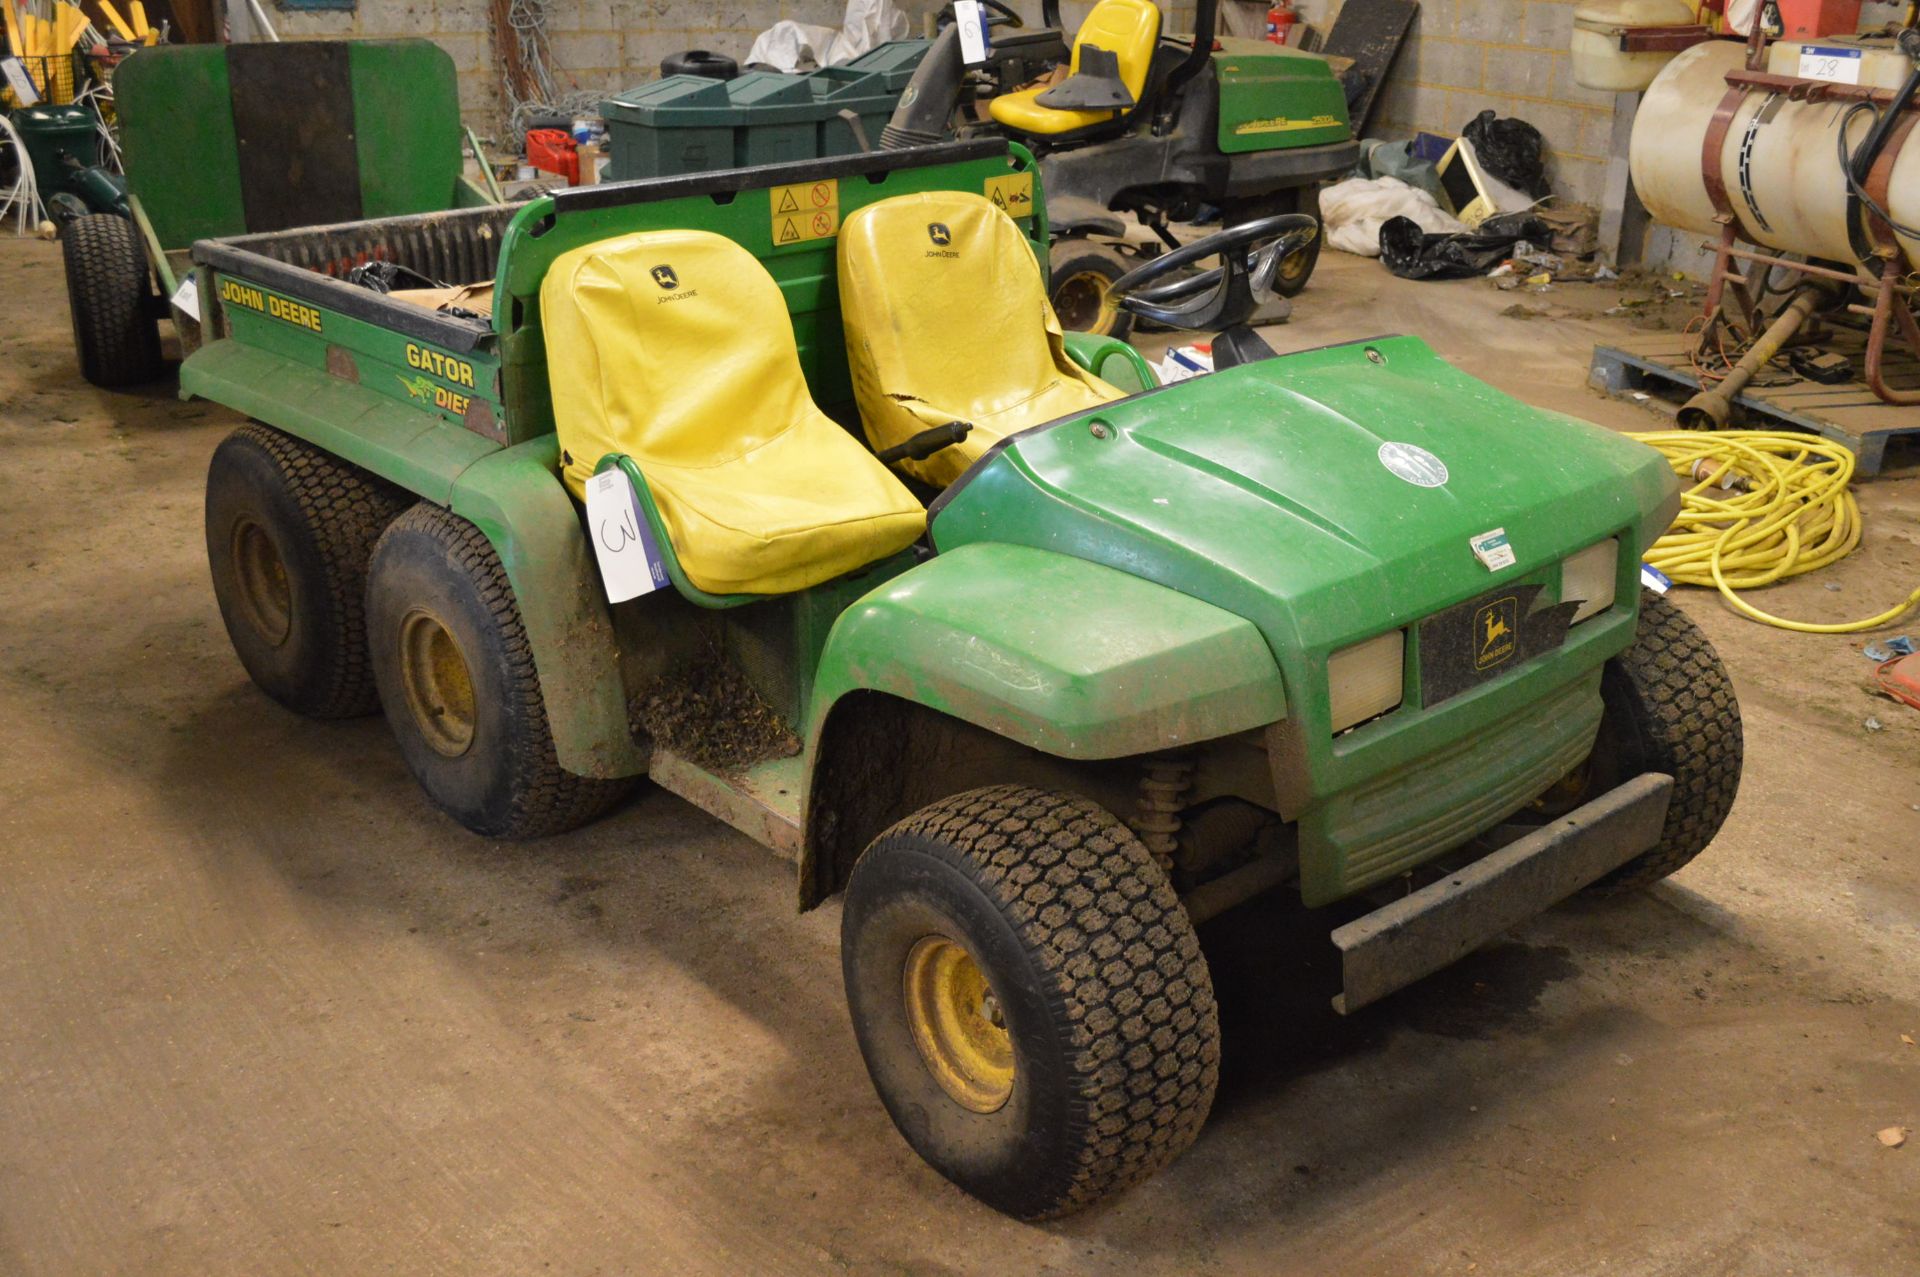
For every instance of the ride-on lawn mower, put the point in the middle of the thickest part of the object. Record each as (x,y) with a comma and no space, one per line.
(843,539)
(1146,123)
(219,140)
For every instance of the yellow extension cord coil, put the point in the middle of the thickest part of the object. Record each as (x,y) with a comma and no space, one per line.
(1762,505)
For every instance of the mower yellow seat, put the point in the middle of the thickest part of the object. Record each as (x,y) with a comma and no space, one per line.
(675,348)
(1128,29)
(947,319)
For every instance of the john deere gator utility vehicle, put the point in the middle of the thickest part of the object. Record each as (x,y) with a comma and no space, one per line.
(1035,662)
(222,139)
(1144,122)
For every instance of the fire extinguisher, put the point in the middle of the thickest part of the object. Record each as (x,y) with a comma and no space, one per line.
(1280,20)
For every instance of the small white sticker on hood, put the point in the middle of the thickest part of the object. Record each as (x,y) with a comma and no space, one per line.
(1414,464)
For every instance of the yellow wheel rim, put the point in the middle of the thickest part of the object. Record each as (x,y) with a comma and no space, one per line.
(260,577)
(1080,302)
(958,1025)
(438,686)
(1294,265)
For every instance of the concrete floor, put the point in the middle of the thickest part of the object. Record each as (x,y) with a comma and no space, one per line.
(263,1011)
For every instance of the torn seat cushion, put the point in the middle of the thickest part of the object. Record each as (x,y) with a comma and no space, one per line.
(675,347)
(947,319)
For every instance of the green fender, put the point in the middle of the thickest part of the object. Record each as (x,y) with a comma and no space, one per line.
(513,495)
(1066,656)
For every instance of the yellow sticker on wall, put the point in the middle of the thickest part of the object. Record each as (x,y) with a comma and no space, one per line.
(1012,194)
(805,211)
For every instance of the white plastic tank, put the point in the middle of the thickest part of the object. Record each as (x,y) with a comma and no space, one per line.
(1598,62)
(1780,160)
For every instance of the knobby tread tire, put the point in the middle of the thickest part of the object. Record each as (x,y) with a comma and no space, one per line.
(1674,711)
(544,798)
(1123,972)
(115,333)
(341,511)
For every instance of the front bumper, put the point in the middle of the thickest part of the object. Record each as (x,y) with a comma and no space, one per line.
(1437,925)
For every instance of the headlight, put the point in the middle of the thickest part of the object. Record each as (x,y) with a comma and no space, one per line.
(1589,576)
(1366,679)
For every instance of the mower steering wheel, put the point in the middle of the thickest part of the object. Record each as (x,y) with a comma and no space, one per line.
(1003,16)
(1227,295)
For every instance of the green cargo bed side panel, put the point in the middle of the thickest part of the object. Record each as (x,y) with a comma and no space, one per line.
(1067,656)
(406,112)
(1273,98)
(513,495)
(180,151)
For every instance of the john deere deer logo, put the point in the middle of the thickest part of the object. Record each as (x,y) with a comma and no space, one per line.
(939,234)
(1495,629)
(664,276)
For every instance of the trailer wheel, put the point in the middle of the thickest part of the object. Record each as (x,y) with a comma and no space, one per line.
(110,297)
(289,531)
(1029,997)
(1082,273)
(457,682)
(1670,708)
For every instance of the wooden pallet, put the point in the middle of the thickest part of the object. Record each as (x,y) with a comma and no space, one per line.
(1848,413)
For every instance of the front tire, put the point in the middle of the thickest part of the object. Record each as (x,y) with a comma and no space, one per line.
(1670,708)
(1082,274)
(289,531)
(457,681)
(115,331)
(1029,997)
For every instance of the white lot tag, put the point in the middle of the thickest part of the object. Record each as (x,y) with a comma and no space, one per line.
(1825,62)
(972,21)
(630,562)
(1491,549)
(1654,579)
(20,82)
(186,298)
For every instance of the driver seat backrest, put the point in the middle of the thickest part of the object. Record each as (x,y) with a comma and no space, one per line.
(1128,29)
(947,319)
(675,348)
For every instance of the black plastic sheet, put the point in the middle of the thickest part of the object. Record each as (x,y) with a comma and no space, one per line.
(1412,253)
(1509,150)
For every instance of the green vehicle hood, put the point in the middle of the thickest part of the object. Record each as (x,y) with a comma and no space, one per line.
(1261,489)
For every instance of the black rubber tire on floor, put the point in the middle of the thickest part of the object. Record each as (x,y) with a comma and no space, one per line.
(319,518)
(1076,257)
(110,295)
(1099,976)
(1297,270)
(508,782)
(1670,707)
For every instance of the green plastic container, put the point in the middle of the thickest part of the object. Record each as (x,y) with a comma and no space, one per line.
(51,133)
(690,124)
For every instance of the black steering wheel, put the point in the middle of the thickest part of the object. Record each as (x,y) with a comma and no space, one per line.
(1250,256)
(1003,16)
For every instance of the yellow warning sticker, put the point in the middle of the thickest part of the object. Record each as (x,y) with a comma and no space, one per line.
(804,211)
(1012,194)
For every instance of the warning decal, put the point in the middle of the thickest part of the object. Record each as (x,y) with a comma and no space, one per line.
(805,211)
(1012,194)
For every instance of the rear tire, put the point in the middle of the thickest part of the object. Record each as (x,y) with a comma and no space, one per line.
(1670,708)
(1291,279)
(115,331)
(289,531)
(1082,272)
(458,684)
(1043,910)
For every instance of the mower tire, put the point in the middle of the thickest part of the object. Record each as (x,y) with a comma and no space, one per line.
(289,532)
(457,681)
(116,331)
(1082,271)
(1029,997)
(1670,708)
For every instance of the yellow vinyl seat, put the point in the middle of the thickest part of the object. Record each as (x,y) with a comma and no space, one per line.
(675,348)
(1128,29)
(947,319)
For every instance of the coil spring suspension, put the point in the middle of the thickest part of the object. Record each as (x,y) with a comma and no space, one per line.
(1163,790)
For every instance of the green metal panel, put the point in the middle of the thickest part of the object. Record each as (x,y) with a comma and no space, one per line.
(176,134)
(406,121)
(1064,655)
(1260,490)
(1114,362)
(1275,98)
(806,271)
